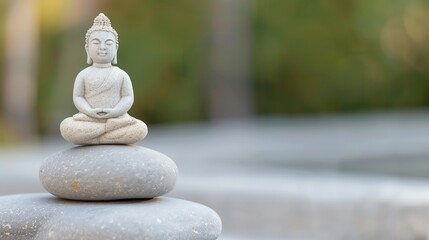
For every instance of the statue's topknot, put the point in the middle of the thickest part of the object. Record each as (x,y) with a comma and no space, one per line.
(101,23)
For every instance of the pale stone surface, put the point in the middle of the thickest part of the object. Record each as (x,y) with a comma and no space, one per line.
(108,172)
(103,94)
(43,217)
(313,206)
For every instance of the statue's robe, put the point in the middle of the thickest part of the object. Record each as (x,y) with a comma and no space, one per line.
(104,90)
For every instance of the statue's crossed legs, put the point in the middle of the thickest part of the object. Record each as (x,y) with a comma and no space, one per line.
(84,130)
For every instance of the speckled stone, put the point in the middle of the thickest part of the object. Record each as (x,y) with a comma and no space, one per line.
(44,217)
(108,172)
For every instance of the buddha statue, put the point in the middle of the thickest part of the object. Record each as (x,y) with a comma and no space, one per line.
(103,94)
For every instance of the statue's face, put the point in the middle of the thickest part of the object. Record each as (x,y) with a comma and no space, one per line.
(102,47)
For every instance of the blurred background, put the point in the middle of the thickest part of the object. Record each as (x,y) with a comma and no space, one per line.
(280,113)
(193,61)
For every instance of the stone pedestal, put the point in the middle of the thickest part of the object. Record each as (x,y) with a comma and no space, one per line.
(108,172)
(106,192)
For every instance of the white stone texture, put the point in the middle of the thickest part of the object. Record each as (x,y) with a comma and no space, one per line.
(103,94)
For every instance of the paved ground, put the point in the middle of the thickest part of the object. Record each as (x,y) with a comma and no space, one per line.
(277,177)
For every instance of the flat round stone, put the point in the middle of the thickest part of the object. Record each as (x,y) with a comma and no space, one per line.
(44,217)
(108,172)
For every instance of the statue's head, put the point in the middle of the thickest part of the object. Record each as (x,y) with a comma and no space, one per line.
(101,41)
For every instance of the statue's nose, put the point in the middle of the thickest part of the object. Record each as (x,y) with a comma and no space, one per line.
(102,46)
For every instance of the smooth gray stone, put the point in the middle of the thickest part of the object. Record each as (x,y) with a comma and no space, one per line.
(108,172)
(44,217)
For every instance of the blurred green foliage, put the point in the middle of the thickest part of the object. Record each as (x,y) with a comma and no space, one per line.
(330,56)
(308,57)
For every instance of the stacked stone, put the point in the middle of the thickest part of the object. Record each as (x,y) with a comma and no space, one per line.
(106,192)
(107,188)
(138,175)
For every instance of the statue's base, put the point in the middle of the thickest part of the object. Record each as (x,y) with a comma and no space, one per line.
(43,216)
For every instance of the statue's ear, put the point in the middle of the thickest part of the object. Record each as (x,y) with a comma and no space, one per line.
(88,58)
(115,59)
